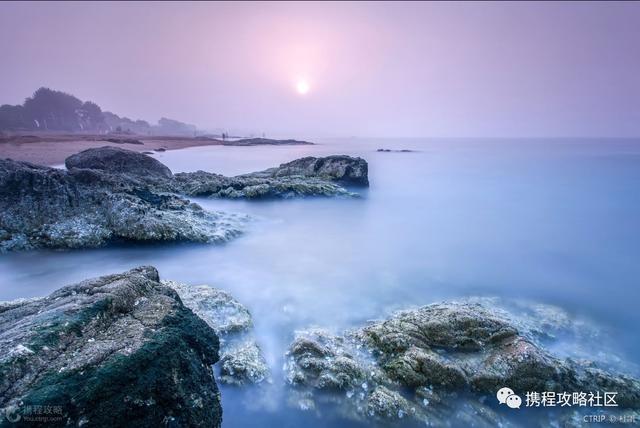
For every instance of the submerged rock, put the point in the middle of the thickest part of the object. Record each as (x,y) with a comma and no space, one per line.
(241,359)
(119,350)
(396,151)
(418,361)
(43,207)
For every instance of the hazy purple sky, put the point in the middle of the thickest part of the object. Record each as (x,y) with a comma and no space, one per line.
(374,69)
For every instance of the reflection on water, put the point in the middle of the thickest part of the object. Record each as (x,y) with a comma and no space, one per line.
(550,221)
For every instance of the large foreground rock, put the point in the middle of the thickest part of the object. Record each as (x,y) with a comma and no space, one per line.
(119,350)
(417,363)
(43,207)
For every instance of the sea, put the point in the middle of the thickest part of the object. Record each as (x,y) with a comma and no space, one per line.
(553,221)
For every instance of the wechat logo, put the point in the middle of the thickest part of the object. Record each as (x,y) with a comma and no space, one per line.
(507,396)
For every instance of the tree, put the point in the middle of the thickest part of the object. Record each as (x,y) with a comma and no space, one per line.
(91,117)
(53,110)
(13,117)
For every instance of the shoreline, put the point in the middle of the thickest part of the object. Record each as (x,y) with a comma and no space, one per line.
(53,149)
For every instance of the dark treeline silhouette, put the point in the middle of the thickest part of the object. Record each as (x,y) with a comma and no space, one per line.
(49,110)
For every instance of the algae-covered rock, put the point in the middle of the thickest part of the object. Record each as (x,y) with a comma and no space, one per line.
(119,350)
(420,362)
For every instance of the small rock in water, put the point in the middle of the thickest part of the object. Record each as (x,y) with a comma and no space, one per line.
(243,364)
(241,359)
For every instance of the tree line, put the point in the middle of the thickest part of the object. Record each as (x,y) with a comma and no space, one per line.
(50,110)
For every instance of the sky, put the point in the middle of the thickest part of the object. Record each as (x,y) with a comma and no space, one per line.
(370,69)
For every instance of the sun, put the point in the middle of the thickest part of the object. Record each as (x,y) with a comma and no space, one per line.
(302,87)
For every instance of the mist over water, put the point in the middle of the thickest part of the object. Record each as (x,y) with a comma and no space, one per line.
(551,221)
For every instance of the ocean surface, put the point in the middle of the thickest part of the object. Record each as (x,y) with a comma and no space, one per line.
(550,221)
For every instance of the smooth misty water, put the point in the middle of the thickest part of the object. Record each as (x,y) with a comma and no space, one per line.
(554,221)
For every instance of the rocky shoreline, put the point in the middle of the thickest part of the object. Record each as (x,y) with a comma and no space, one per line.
(132,348)
(110,194)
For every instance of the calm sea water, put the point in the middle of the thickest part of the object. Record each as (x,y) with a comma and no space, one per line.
(553,221)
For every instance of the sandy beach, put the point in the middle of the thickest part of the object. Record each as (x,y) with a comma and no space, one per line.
(53,149)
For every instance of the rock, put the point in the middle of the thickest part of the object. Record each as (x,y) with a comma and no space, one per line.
(118,350)
(389,405)
(242,364)
(421,359)
(117,160)
(110,194)
(458,344)
(207,184)
(419,367)
(160,149)
(216,307)
(323,361)
(43,207)
(342,169)
(263,141)
(303,177)
(123,141)
(395,151)
(242,360)
(465,327)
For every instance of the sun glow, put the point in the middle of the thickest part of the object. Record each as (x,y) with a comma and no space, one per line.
(302,86)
